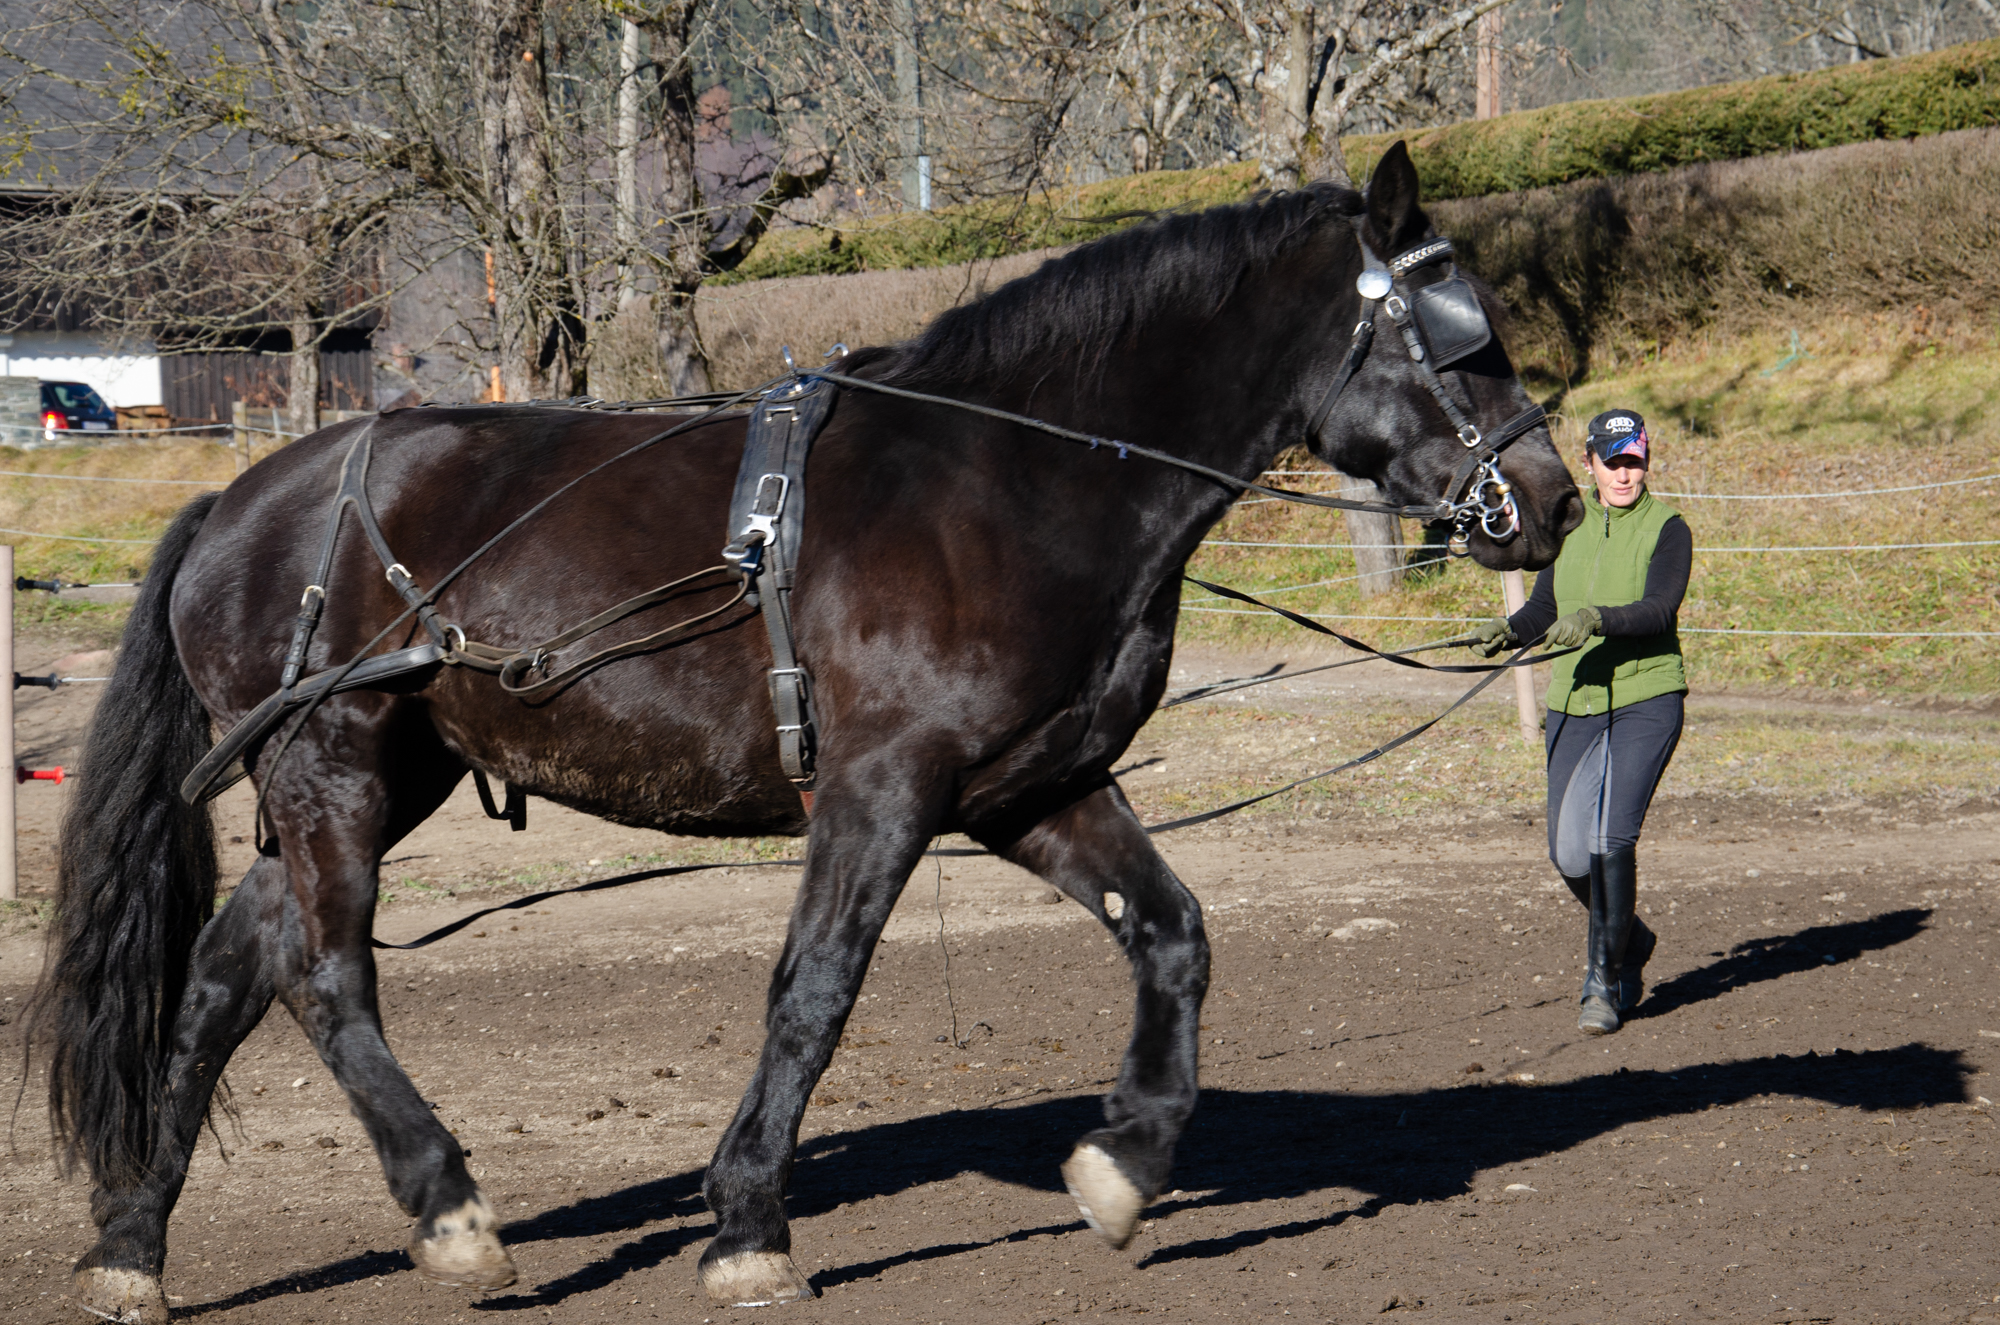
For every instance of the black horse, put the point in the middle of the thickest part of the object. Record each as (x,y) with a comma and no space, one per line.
(987,612)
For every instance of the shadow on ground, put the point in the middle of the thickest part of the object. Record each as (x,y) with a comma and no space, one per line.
(1757,960)
(1250,1147)
(1244,1147)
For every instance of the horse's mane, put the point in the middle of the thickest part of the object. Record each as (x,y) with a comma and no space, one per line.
(1074,308)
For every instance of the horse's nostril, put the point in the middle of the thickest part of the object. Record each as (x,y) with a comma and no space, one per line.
(1569,513)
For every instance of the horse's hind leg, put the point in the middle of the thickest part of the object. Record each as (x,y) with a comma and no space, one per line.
(1097,852)
(337,817)
(226,994)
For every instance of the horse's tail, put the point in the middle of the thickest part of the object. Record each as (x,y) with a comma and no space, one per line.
(136,880)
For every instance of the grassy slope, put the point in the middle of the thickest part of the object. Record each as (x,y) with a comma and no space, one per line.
(1873,405)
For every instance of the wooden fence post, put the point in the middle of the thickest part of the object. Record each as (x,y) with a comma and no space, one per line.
(1514,588)
(239,423)
(9,887)
(1377,539)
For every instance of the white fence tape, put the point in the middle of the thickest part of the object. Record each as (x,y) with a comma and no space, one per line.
(92,478)
(1695,496)
(1685,630)
(1831,547)
(79,538)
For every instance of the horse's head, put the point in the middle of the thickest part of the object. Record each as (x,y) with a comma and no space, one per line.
(1434,413)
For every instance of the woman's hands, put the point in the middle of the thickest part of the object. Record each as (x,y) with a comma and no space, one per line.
(1574,630)
(1491,637)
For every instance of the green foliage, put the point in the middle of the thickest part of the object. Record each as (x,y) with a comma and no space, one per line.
(990,229)
(1956,88)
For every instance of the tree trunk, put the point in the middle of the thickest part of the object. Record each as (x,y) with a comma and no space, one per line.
(303,387)
(683,362)
(1298,88)
(625,147)
(1378,540)
(536,328)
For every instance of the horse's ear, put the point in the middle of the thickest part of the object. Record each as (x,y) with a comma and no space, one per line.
(1392,201)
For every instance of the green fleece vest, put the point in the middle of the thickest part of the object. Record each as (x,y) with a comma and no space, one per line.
(1603,564)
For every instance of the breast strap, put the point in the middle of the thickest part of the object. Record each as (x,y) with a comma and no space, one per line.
(766,519)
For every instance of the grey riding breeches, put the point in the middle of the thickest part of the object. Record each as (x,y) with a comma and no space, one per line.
(1603,769)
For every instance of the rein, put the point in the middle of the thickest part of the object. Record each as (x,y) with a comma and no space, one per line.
(1487,498)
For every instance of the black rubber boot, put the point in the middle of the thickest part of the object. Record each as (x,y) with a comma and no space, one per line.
(1621,878)
(1614,892)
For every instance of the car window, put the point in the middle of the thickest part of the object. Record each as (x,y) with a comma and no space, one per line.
(76,396)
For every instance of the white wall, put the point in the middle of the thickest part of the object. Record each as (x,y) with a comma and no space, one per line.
(126,373)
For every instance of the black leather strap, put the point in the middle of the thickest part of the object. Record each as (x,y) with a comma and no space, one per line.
(1357,352)
(766,520)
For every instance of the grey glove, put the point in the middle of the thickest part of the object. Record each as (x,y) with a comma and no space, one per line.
(1491,637)
(1575,629)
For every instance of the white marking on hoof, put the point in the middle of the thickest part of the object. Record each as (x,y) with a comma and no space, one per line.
(464,1248)
(1114,905)
(1106,1197)
(755,1279)
(130,1297)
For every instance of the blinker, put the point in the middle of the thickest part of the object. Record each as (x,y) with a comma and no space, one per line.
(1451,320)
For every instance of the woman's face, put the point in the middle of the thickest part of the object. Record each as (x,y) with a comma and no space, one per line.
(1619,482)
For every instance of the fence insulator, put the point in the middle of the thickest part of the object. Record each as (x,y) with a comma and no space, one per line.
(49,682)
(54,775)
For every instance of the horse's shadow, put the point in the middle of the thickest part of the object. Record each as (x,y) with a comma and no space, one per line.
(1248,1147)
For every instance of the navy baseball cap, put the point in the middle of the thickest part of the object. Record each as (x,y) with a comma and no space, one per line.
(1619,432)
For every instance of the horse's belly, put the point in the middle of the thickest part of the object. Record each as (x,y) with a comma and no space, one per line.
(630,754)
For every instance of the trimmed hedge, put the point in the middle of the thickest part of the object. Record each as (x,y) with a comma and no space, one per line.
(990,230)
(1916,96)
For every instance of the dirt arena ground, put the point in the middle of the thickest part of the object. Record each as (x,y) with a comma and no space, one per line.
(1398,1115)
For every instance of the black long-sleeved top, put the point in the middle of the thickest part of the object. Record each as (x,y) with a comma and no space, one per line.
(1666,585)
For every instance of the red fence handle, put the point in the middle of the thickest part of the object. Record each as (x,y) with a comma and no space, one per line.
(54,775)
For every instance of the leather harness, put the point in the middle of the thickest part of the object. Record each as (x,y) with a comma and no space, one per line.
(766,518)
(765,522)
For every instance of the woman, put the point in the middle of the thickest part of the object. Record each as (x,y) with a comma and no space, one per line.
(1615,706)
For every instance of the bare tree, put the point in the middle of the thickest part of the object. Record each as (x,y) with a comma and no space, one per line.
(181,203)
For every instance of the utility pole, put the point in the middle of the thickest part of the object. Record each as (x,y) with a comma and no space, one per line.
(910,107)
(625,140)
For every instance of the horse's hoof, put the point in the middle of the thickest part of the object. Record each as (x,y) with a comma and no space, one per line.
(130,1297)
(1106,1197)
(754,1279)
(464,1248)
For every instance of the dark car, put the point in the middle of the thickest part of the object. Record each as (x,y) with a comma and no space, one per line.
(74,407)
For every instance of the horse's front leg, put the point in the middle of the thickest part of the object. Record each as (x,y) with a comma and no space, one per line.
(860,853)
(1097,852)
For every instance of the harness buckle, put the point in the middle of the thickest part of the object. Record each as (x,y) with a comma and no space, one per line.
(1469,434)
(766,509)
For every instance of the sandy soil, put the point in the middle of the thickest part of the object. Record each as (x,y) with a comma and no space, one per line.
(1398,1114)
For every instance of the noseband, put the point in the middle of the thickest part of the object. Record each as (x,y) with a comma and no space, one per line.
(1457,324)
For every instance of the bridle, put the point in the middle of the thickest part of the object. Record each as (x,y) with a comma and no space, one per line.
(1450,312)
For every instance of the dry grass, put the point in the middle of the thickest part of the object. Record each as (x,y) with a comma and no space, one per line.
(1599,274)
(1868,402)
(744,325)
(1874,403)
